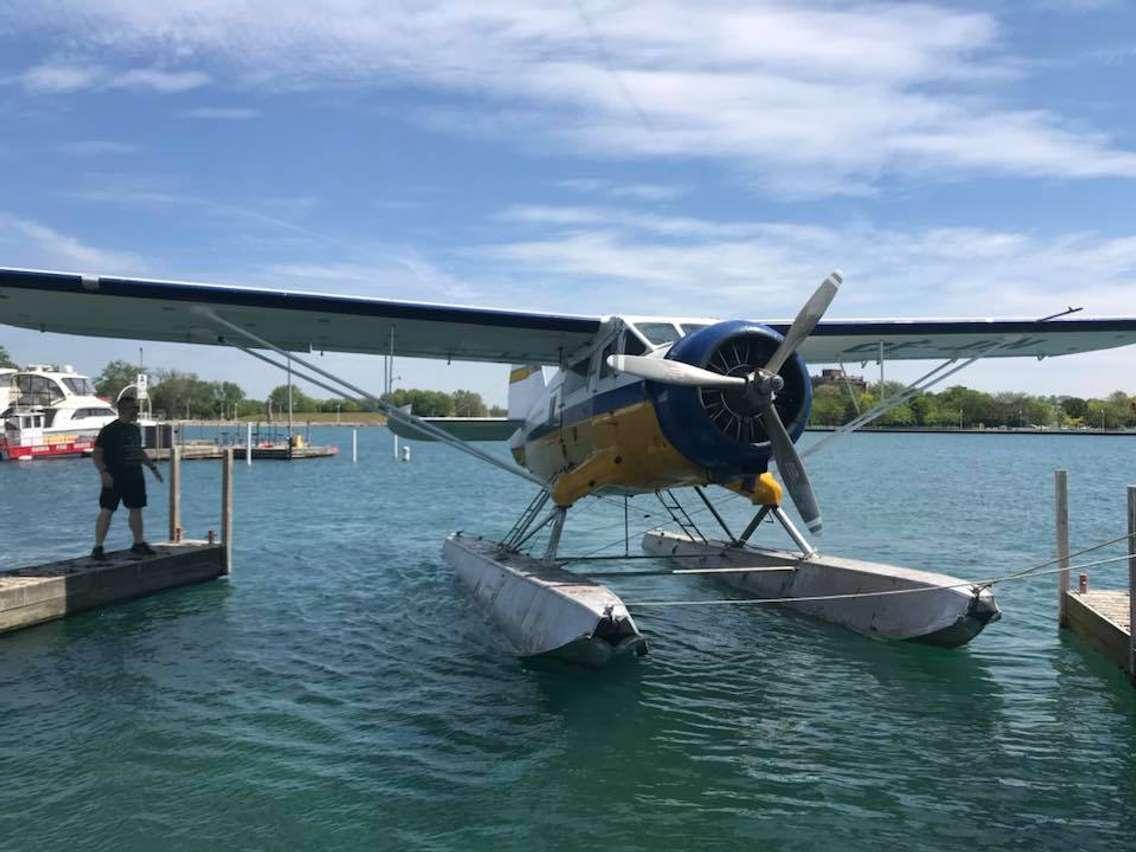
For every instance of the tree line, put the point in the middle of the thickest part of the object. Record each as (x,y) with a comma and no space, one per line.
(178,394)
(964,408)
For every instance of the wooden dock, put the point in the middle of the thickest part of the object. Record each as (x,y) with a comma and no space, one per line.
(1103,618)
(39,593)
(198,451)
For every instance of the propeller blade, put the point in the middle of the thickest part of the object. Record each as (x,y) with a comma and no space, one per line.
(791,468)
(806,321)
(671,372)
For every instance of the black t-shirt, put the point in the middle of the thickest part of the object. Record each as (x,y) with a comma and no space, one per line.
(121,444)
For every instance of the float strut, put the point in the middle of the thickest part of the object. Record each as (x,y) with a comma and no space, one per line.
(753,525)
(807,550)
(558,516)
(714,512)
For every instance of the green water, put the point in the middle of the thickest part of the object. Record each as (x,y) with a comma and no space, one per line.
(341,692)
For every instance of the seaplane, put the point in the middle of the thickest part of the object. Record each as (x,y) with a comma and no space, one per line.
(607,407)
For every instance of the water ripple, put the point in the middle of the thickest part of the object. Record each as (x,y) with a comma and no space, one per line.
(341,691)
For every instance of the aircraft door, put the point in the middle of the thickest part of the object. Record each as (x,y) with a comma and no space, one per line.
(601,372)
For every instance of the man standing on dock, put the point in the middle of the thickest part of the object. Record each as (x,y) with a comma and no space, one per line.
(119,458)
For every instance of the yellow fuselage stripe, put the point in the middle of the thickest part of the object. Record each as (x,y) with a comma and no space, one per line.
(623,448)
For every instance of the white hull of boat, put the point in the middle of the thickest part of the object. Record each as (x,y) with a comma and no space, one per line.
(544,611)
(939,616)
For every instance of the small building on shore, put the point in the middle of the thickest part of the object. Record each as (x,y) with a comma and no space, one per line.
(831,376)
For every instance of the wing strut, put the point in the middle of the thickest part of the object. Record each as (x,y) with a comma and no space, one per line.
(927,380)
(359,395)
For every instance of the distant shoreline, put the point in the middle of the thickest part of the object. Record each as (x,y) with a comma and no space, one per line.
(942,430)
(300,421)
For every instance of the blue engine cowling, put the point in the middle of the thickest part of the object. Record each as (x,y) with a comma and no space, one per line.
(719,430)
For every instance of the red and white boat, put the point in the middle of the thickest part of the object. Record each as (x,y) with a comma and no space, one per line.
(49,412)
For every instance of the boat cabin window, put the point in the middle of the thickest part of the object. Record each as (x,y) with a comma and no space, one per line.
(691,327)
(81,386)
(37,390)
(576,376)
(81,413)
(659,333)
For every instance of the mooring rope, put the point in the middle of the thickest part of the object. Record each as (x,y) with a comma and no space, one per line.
(1024,574)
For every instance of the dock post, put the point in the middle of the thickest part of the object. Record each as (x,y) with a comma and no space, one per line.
(175,492)
(354,445)
(248,443)
(1061,493)
(1131,545)
(227,507)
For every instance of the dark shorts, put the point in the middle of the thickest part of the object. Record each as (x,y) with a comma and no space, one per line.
(129,487)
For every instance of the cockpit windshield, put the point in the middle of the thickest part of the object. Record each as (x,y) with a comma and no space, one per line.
(81,386)
(658,332)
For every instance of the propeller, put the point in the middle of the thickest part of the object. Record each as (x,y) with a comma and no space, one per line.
(672,372)
(761,386)
(806,321)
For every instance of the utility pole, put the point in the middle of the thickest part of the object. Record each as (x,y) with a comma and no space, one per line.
(289,407)
(881,370)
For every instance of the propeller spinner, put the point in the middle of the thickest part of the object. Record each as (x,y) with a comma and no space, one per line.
(760,387)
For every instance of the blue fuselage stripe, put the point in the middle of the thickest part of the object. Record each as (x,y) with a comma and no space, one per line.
(601,403)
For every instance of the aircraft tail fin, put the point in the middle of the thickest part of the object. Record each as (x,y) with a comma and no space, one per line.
(526,387)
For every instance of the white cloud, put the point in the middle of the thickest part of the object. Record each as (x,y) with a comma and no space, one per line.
(132,190)
(220,113)
(62,78)
(634,191)
(807,99)
(95,147)
(32,244)
(606,260)
(390,272)
(56,79)
(165,82)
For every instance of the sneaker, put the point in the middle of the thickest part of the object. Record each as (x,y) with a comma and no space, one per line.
(143,549)
(98,554)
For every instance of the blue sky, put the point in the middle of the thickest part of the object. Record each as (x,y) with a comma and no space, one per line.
(587,157)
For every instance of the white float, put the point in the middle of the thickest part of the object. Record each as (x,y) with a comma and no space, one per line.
(543,610)
(939,616)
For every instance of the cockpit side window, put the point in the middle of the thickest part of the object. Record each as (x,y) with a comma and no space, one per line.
(632,345)
(576,376)
(608,350)
(659,333)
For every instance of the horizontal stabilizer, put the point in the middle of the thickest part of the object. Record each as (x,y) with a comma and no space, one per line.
(465,428)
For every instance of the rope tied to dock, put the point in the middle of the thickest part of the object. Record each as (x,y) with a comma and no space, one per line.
(977,585)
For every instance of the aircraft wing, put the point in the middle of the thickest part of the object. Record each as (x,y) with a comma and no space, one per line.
(903,340)
(106,306)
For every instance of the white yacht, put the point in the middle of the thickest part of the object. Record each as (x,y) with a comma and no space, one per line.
(50,411)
